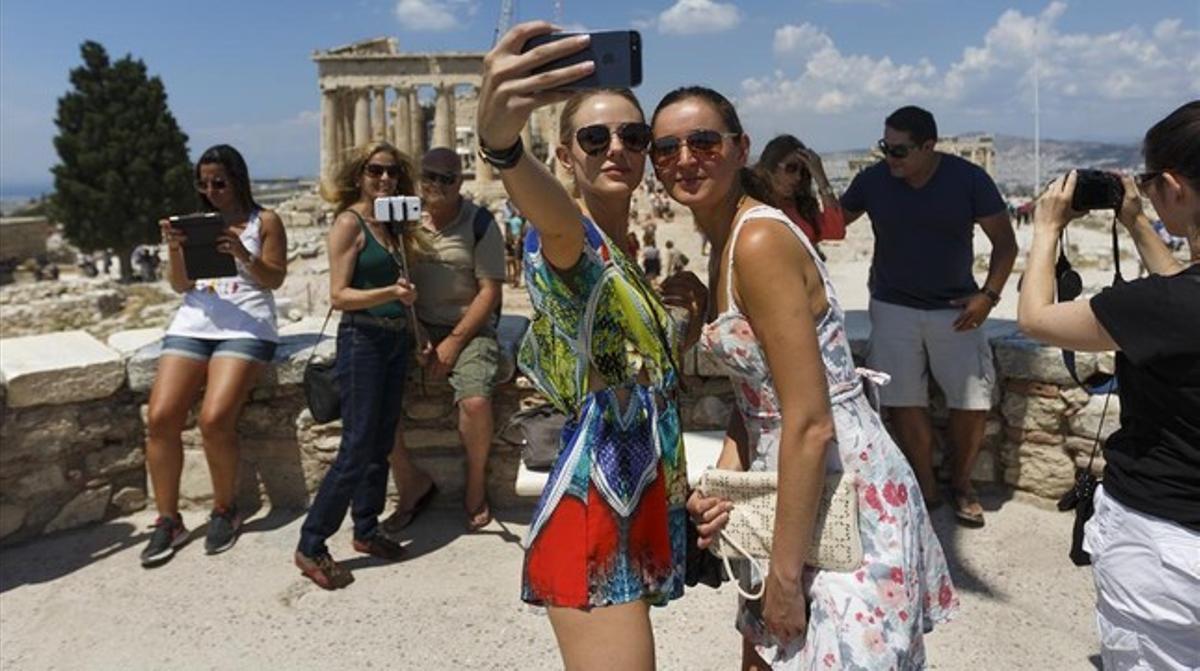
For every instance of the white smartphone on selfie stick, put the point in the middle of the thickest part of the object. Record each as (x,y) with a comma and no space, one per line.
(403,209)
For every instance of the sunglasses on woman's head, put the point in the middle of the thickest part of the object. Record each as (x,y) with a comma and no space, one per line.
(377,170)
(216,184)
(895,150)
(702,142)
(595,140)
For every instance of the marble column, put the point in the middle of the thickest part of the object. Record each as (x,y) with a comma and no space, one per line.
(362,117)
(417,125)
(379,120)
(346,116)
(443,117)
(402,132)
(328,134)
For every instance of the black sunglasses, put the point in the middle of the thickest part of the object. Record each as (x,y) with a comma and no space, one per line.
(595,140)
(895,150)
(376,170)
(216,184)
(704,142)
(792,167)
(439,178)
(1143,179)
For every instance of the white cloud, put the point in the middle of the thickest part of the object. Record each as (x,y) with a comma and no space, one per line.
(1105,73)
(691,17)
(434,15)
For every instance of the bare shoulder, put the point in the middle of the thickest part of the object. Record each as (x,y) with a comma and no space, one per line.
(270,219)
(345,230)
(769,245)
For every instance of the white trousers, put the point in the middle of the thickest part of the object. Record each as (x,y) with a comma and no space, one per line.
(1147,573)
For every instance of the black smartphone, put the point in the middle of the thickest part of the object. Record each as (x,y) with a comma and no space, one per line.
(616,53)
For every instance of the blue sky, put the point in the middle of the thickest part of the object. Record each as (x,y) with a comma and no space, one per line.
(826,70)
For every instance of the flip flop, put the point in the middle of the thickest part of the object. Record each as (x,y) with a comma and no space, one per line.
(964,502)
(474,520)
(401,519)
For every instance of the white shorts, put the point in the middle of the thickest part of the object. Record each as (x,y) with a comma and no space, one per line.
(1147,573)
(909,344)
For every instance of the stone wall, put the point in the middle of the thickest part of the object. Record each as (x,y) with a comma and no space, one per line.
(72,430)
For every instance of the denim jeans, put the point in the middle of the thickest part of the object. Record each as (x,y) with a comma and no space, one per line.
(371,367)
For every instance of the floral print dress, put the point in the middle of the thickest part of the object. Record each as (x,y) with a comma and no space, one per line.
(873,617)
(610,526)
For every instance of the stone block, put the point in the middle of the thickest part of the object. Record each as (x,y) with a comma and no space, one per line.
(47,479)
(1042,469)
(128,342)
(11,519)
(39,436)
(710,412)
(57,368)
(129,500)
(1032,388)
(114,459)
(1086,422)
(1022,358)
(88,506)
(141,366)
(1033,413)
(1015,435)
(707,365)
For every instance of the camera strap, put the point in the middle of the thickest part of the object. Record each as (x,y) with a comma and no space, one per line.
(1069,287)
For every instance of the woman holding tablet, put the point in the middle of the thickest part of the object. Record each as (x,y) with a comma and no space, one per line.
(220,340)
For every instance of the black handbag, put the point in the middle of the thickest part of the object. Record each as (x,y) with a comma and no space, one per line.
(320,385)
(540,428)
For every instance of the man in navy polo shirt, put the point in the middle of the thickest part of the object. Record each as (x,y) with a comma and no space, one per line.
(926,307)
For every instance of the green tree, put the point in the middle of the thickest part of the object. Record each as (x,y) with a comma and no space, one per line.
(123,160)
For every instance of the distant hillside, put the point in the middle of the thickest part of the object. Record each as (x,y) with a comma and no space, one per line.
(1014,160)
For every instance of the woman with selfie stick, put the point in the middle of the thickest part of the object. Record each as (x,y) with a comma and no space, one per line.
(374,344)
(221,339)
(607,539)
(1144,536)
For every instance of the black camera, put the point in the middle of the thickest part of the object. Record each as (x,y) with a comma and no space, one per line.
(1097,190)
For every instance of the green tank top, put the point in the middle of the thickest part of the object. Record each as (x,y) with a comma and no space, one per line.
(375,268)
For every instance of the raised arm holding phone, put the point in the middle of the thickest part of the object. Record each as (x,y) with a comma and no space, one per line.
(600,549)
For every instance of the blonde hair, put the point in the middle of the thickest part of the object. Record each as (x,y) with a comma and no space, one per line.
(345,190)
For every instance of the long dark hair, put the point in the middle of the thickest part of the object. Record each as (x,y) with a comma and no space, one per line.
(779,149)
(1174,143)
(235,170)
(754,185)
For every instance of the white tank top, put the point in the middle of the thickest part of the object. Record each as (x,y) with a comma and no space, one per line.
(230,307)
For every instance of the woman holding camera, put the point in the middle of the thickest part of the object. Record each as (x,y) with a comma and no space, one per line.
(1144,536)
(607,538)
(374,346)
(803,412)
(220,339)
(792,169)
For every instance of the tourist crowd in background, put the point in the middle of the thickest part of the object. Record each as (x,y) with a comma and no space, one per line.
(614,313)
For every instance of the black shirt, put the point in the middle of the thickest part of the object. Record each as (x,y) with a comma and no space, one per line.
(1153,460)
(923,237)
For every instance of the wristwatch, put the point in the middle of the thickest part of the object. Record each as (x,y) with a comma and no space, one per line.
(503,159)
(992,295)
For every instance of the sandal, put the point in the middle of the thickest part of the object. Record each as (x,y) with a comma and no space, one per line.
(480,517)
(967,508)
(401,519)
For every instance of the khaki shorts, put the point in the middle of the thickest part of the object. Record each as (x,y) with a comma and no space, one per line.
(909,344)
(474,373)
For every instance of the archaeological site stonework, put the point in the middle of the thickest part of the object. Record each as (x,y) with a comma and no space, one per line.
(72,429)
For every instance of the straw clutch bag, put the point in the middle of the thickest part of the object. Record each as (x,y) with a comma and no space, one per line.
(836,544)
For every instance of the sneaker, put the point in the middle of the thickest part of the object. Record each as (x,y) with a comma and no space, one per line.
(223,526)
(169,533)
(380,545)
(323,570)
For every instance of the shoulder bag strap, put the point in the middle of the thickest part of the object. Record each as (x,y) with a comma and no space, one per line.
(320,335)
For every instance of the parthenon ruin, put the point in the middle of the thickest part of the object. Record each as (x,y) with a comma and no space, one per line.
(370,91)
